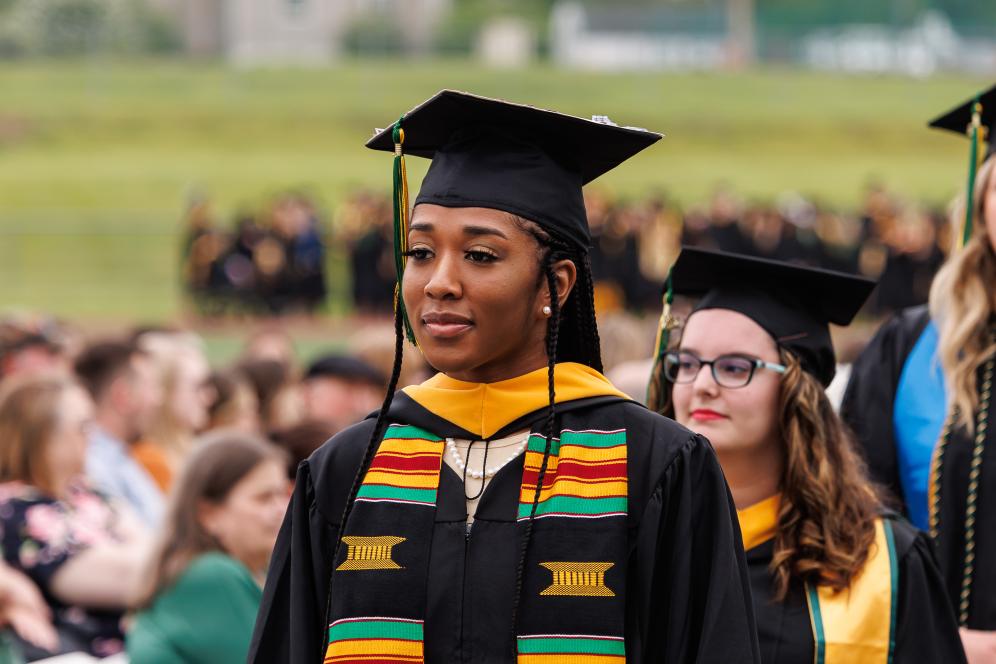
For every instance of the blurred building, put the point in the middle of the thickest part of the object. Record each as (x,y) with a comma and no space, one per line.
(293,31)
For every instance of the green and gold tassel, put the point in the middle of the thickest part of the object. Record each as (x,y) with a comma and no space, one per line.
(976,133)
(655,390)
(401,212)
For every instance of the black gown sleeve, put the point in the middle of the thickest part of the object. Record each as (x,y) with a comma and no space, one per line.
(699,603)
(868,402)
(926,629)
(290,625)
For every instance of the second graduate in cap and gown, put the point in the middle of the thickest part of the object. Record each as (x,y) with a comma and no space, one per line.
(920,397)
(835,578)
(516,506)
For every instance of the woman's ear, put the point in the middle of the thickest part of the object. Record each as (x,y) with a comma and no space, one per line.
(566,274)
(207,516)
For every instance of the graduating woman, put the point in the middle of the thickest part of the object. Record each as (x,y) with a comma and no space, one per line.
(516,506)
(834,578)
(920,399)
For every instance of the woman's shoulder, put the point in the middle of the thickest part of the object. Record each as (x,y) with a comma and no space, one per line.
(907,539)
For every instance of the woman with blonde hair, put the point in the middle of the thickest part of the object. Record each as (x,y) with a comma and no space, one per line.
(920,400)
(834,577)
(82,550)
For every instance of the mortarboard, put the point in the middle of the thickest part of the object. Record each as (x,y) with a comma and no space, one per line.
(794,304)
(490,153)
(976,119)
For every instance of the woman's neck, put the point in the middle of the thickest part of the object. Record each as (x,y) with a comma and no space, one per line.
(754,474)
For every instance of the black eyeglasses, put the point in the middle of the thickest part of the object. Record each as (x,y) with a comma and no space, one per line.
(731,371)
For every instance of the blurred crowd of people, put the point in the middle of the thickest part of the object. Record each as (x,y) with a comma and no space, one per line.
(269,262)
(278,266)
(141,490)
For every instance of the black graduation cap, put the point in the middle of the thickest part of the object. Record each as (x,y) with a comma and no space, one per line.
(794,304)
(345,367)
(520,159)
(959,119)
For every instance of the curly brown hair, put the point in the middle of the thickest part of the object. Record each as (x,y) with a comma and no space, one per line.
(826,521)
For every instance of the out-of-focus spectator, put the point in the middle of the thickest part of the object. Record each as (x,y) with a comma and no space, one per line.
(24,612)
(300,440)
(32,345)
(122,382)
(83,551)
(276,390)
(375,346)
(204,584)
(234,404)
(271,343)
(341,389)
(183,371)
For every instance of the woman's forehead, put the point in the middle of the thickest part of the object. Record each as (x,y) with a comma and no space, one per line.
(725,331)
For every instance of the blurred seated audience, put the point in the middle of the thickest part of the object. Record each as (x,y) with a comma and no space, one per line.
(83,550)
(204,584)
(182,371)
(31,345)
(276,390)
(271,342)
(234,404)
(122,383)
(341,389)
(300,440)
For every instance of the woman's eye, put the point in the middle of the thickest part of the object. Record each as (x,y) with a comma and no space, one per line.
(478,256)
(734,368)
(419,254)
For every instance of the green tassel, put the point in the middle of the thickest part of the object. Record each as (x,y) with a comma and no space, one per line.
(655,390)
(973,164)
(400,221)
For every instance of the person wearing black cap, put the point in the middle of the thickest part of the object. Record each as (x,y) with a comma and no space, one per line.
(920,396)
(594,531)
(834,577)
(340,389)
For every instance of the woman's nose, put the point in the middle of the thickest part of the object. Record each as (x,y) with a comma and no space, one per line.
(444,283)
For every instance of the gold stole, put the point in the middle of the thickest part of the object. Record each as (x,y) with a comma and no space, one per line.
(858,624)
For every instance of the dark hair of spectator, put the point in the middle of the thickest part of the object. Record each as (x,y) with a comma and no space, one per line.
(101,363)
(300,440)
(347,368)
(29,417)
(268,378)
(216,466)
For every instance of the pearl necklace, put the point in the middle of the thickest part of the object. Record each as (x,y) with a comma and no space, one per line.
(488,472)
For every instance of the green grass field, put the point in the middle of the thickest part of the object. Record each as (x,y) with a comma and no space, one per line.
(96,158)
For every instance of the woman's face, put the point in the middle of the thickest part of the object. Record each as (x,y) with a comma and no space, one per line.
(738,420)
(989,206)
(474,295)
(247,522)
(65,453)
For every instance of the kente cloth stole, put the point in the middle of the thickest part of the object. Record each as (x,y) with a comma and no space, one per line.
(572,606)
(858,624)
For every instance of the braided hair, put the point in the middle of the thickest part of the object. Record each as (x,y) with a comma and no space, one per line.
(571,336)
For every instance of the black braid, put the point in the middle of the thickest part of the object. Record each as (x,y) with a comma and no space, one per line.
(372,444)
(552,336)
(589,324)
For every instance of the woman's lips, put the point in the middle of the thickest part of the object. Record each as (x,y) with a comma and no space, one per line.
(706,415)
(446,326)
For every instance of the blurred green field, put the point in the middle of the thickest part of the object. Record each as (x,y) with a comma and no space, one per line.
(96,158)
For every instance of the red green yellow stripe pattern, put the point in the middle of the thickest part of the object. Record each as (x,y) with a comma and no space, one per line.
(375,641)
(571,649)
(585,476)
(405,468)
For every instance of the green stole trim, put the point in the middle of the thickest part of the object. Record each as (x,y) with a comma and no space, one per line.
(851,625)
(380,578)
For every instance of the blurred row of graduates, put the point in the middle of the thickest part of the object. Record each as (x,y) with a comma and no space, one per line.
(274,262)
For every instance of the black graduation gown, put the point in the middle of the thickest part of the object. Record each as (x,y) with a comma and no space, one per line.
(925,626)
(869,399)
(687,590)
(868,408)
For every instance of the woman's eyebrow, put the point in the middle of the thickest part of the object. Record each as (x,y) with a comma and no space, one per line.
(423,226)
(483,230)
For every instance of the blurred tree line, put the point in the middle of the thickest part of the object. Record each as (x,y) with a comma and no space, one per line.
(76,27)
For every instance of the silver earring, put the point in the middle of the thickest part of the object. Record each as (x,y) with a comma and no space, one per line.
(547,311)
